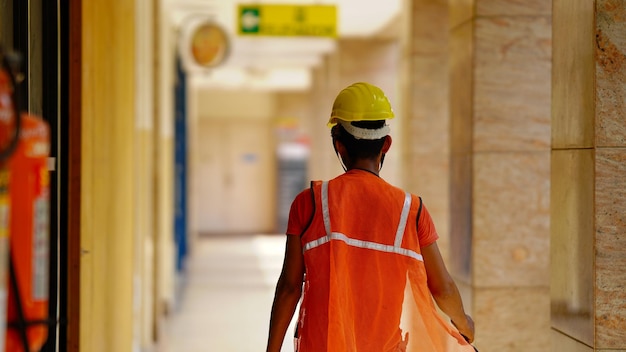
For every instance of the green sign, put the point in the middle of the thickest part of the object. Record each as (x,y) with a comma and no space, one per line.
(287,20)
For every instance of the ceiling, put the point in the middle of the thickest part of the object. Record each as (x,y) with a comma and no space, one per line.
(276,63)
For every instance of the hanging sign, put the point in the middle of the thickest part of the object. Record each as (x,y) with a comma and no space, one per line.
(287,20)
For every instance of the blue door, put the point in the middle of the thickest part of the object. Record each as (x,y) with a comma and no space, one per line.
(180,171)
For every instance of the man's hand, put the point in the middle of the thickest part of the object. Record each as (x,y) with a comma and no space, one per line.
(466,328)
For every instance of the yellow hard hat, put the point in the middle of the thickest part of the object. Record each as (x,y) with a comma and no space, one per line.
(360,102)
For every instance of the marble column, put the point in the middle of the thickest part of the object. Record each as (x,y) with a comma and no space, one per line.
(500,90)
(427,142)
(588,252)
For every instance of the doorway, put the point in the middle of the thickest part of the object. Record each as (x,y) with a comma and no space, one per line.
(236,172)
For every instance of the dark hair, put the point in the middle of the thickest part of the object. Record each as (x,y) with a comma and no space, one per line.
(359,148)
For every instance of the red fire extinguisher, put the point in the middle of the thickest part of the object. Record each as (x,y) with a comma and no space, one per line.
(29,236)
(28,219)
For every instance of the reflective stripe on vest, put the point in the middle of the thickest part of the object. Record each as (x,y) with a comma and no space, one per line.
(396,248)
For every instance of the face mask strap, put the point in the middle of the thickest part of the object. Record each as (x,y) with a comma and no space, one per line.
(345,169)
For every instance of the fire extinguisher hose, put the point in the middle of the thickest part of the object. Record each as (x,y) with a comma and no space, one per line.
(22,325)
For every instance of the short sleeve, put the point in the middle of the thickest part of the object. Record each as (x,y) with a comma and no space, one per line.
(300,213)
(426,232)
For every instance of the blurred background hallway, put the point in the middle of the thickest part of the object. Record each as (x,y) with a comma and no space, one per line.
(180,131)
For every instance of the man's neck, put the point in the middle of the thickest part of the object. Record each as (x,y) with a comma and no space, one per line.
(366,165)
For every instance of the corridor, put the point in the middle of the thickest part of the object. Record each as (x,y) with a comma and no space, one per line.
(226,295)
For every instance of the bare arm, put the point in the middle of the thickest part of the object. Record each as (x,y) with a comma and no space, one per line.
(288,291)
(445,291)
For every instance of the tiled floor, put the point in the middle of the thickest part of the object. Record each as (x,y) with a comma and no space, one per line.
(226,297)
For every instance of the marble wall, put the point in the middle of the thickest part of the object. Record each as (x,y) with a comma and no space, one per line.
(610,168)
(588,171)
(500,55)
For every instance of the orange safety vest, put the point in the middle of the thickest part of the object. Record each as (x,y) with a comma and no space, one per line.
(365,283)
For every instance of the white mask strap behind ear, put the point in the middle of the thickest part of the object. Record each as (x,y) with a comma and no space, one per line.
(365,133)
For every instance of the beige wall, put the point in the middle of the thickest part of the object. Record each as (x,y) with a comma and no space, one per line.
(164,266)
(108,194)
(144,232)
(234,104)
(323,164)
(500,168)
(588,173)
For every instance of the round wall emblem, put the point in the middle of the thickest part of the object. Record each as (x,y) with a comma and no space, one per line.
(209,44)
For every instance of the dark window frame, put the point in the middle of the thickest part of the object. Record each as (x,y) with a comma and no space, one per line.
(49,52)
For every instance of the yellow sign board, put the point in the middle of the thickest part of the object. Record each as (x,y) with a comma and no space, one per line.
(287,20)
